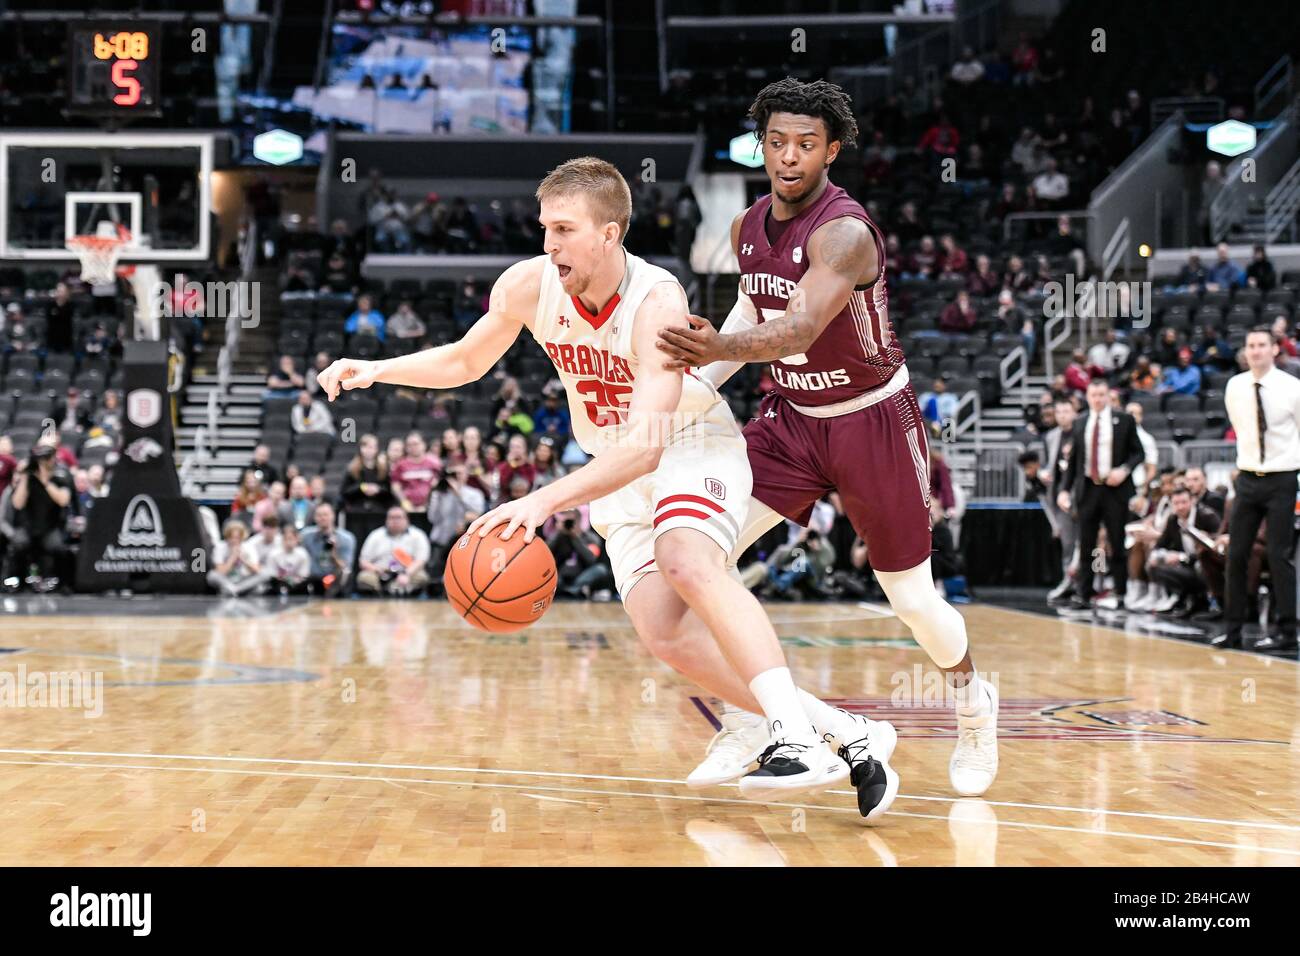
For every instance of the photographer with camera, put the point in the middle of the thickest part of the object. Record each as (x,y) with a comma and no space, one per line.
(41,499)
(331,550)
(799,567)
(393,557)
(580,558)
(452,506)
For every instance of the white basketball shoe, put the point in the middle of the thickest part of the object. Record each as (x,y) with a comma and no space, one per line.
(974,762)
(738,744)
(791,767)
(866,746)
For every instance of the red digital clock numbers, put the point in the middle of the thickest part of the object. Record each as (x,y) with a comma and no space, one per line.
(113,68)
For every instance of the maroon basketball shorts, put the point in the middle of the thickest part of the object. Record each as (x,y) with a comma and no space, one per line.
(876,457)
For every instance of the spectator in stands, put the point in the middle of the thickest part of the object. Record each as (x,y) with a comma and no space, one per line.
(462,228)
(1212,349)
(393,560)
(298,509)
(968,69)
(580,559)
(413,477)
(1224,274)
(320,364)
(450,449)
(58,321)
(975,172)
(1167,348)
(471,441)
(516,465)
(923,260)
(405,325)
(1143,377)
(510,413)
(546,461)
(426,222)
(1051,186)
(1282,335)
(251,491)
(18,334)
(983,281)
(366,320)
(1211,185)
(453,504)
(1192,277)
(316,484)
(42,499)
(106,422)
(938,405)
(287,567)
(1016,277)
(1024,151)
(876,170)
(1007,204)
(311,416)
(908,227)
(285,381)
(1024,62)
(1183,377)
(1109,355)
(940,141)
(953,261)
(468,307)
(367,492)
(340,276)
(261,464)
(1077,375)
(298,278)
(269,507)
(375,190)
(331,550)
(552,419)
(235,570)
(1172,564)
(70,414)
(1260,274)
(959,315)
(341,242)
(8,463)
(1147,470)
(1014,320)
(387,217)
(266,535)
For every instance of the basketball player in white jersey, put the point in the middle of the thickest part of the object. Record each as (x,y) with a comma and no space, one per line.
(669,483)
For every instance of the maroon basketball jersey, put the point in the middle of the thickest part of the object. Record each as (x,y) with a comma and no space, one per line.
(857,351)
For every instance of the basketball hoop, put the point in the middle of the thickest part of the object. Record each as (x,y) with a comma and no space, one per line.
(99,252)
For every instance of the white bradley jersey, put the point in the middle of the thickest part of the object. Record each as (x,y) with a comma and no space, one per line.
(594,358)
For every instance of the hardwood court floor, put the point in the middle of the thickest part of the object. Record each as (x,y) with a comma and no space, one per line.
(390,733)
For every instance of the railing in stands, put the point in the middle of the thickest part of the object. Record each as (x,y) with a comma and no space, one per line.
(1266,159)
(1052,339)
(1275,81)
(1116,251)
(1198,454)
(998,475)
(1282,204)
(1013,371)
(1196,109)
(967,416)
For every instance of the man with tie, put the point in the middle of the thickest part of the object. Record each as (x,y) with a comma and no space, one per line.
(1098,484)
(1056,446)
(1264,408)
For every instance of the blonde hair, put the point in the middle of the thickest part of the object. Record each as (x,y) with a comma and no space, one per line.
(600,182)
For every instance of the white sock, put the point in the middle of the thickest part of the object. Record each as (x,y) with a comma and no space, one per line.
(824,717)
(775,692)
(971,700)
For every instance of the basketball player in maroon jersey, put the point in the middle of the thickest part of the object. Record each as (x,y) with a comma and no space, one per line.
(842,417)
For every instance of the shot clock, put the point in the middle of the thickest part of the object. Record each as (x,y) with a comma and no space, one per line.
(113,69)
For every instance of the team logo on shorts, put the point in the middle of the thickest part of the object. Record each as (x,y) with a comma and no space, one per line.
(715,488)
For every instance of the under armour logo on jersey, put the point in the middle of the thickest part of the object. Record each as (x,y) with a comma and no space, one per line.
(564,321)
(771,413)
(746,249)
(798,254)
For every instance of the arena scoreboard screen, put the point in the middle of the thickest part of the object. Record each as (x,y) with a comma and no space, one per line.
(113,68)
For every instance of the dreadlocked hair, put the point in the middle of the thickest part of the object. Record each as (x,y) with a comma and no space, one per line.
(819,98)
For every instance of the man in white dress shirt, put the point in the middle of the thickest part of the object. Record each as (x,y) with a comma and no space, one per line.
(1264,408)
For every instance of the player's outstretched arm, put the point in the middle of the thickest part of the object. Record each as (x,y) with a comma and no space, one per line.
(514,296)
(651,418)
(839,252)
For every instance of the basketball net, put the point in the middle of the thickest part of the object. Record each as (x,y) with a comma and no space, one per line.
(99,251)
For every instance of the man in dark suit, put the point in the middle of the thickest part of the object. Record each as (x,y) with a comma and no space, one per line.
(1191,529)
(1098,484)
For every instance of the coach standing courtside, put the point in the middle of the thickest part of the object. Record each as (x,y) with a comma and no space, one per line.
(1264,407)
(1098,484)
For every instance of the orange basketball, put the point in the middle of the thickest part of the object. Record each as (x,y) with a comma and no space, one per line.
(498,585)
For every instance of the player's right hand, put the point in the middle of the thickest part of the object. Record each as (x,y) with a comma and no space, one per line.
(349,374)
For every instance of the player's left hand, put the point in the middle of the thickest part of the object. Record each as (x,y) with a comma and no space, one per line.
(694,347)
(529,512)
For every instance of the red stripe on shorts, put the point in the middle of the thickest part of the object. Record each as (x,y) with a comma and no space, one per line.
(681,512)
(646,565)
(692,499)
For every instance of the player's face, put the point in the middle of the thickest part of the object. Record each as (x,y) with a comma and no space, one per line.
(574,240)
(796,153)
